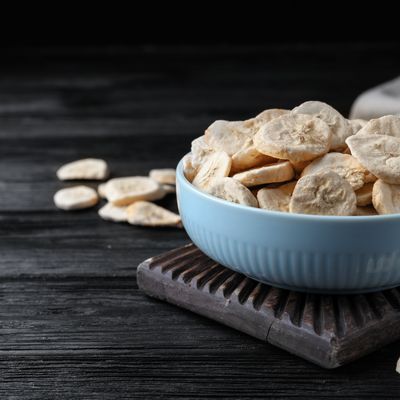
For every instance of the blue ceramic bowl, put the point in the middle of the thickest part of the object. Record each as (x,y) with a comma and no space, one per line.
(311,253)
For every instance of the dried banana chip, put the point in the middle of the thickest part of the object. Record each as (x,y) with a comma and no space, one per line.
(88,168)
(124,191)
(271,173)
(164,175)
(379,154)
(169,188)
(188,170)
(276,199)
(339,126)
(270,114)
(145,213)
(365,211)
(230,136)
(249,157)
(388,125)
(299,166)
(323,193)
(344,165)
(294,137)
(357,124)
(364,195)
(200,151)
(218,165)
(101,190)
(386,197)
(109,212)
(232,190)
(76,198)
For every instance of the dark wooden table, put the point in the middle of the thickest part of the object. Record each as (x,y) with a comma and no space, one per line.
(73,323)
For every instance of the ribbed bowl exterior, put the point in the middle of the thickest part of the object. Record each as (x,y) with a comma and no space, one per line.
(294,251)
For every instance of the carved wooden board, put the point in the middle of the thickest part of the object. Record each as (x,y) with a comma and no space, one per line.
(327,330)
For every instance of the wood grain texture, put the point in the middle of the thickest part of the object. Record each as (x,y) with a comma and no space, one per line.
(72,321)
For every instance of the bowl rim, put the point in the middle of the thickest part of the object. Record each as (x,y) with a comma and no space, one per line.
(292,216)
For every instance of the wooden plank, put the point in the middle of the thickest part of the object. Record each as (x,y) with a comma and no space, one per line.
(91,336)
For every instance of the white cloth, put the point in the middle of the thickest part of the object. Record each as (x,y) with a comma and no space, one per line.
(378,101)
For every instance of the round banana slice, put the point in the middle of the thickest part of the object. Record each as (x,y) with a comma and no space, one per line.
(339,126)
(200,151)
(324,193)
(188,169)
(145,213)
(386,197)
(249,157)
(379,154)
(271,173)
(388,125)
(357,124)
(88,168)
(365,211)
(364,195)
(344,165)
(164,175)
(294,137)
(101,190)
(109,212)
(76,198)
(218,165)
(231,136)
(232,190)
(276,199)
(124,191)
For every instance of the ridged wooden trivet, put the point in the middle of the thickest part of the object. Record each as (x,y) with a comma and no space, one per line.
(327,330)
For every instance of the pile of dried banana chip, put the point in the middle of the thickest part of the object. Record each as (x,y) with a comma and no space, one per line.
(308,160)
(129,199)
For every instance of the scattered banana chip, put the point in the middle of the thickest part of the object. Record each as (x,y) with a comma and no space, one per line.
(339,126)
(76,198)
(124,191)
(232,190)
(294,137)
(101,190)
(145,213)
(365,211)
(379,154)
(164,175)
(249,157)
(109,212)
(388,125)
(276,199)
(218,165)
(271,173)
(344,165)
(386,197)
(169,188)
(323,193)
(88,168)
(364,195)
(188,170)
(231,136)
